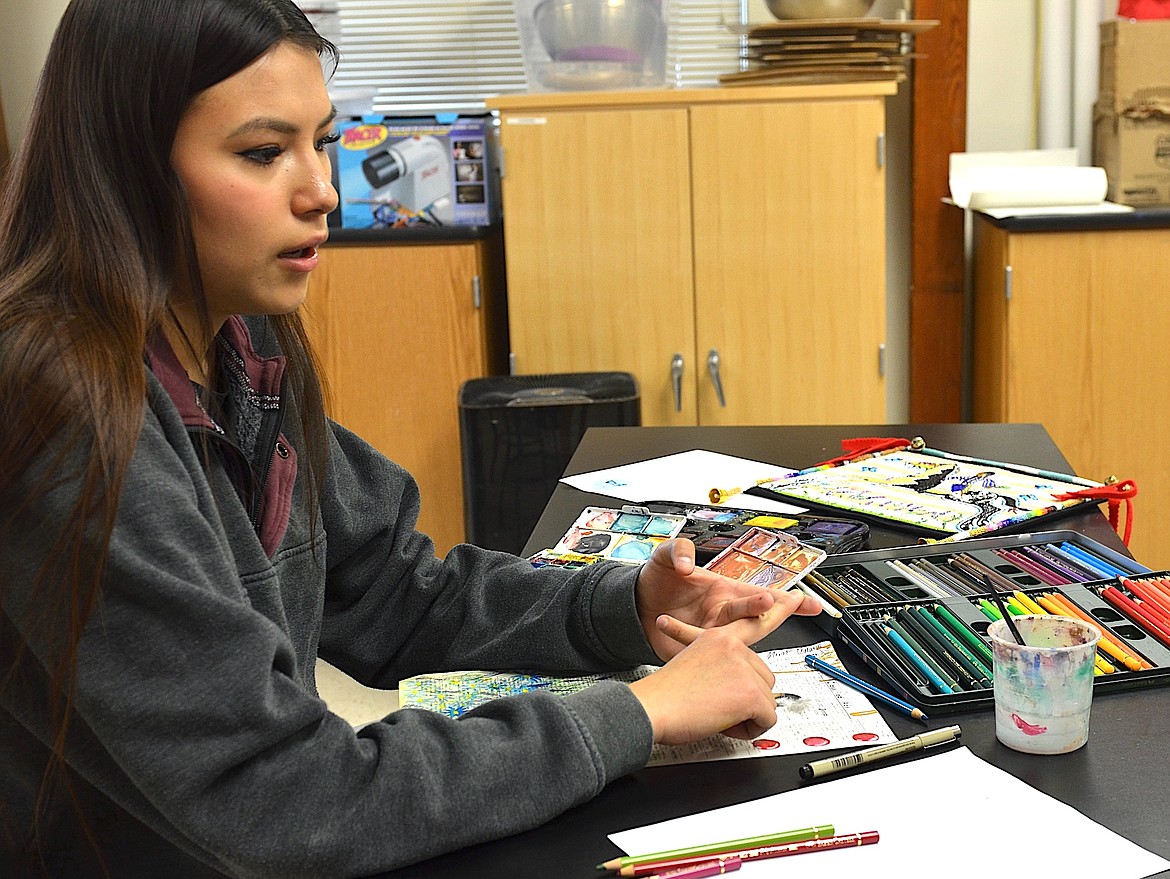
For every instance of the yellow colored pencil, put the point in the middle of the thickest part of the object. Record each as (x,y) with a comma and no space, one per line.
(1107,644)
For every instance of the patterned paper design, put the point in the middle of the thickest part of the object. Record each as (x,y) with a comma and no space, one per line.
(827,715)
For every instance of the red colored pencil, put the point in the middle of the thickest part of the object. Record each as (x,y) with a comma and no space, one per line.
(1148,593)
(1159,583)
(701,870)
(848,840)
(1134,611)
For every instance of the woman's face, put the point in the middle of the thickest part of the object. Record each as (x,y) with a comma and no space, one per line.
(250,152)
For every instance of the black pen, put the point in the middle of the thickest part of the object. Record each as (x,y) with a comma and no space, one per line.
(819,768)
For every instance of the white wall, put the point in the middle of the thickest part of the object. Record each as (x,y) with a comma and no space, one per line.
(27,29)
(1032,73)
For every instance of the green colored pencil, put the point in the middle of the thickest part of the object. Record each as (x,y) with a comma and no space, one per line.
(714,848)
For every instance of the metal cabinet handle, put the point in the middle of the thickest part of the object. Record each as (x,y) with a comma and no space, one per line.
(676,376)
(713,369)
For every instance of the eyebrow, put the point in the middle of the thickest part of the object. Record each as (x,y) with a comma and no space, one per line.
(280,126)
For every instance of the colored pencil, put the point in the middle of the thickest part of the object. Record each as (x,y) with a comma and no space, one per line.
(1101,660)
(700,870)
(939,650)
(869,689)
(848,840)
(817,831)
(1049,555)
(826,587)
(1026,602)
(925,655)
(1136,613)
(1094,562)
(900,643)
(1161,605)
(956,625)
(1107,645)
(917,579)
(1031,566)
(1003,609)
(971,663)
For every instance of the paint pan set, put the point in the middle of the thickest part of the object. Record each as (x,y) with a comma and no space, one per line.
(600,533)
(918,615)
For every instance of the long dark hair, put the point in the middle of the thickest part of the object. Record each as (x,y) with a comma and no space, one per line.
(94,231)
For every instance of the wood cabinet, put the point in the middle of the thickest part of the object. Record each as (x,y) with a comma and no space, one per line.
(1071,330)
(675,234)
(398,328)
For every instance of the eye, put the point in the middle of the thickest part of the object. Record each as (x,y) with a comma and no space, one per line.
(332,137)
(263,155)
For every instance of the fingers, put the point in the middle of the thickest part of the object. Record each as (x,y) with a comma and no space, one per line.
(810,607)
(676,629)
(678,554)
(715,685)
(751,617)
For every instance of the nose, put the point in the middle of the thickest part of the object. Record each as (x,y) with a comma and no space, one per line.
(315,195)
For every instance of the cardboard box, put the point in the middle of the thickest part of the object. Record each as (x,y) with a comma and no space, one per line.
(1131,120)
(1134,57)
(1135,153)
(394,172)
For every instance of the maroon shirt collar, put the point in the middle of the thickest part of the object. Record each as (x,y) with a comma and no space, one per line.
(264,373)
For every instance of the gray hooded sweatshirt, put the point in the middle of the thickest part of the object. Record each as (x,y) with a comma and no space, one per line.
(198,745)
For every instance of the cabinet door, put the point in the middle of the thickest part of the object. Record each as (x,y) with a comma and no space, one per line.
(790,283)
(599,249)
(1085,329)
(398,332)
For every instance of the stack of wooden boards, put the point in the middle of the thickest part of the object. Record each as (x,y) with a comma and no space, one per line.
(826,50)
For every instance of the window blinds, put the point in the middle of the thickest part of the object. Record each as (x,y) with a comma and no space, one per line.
(445,55)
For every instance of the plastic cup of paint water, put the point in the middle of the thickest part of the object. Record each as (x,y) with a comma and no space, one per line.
(1044,687)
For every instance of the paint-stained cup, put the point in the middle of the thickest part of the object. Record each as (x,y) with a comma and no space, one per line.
(1043,688)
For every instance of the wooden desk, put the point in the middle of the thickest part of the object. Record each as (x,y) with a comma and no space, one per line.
(1107,780)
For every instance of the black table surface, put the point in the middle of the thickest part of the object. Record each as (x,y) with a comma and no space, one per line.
(1117,779)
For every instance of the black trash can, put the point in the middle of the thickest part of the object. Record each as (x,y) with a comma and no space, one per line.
(518,433)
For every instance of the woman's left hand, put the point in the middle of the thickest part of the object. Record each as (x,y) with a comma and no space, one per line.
(677,600)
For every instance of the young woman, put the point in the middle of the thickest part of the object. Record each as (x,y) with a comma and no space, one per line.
(183,532)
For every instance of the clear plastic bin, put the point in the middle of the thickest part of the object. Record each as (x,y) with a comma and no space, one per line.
(590,45)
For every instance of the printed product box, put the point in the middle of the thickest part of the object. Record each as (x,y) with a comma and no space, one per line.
(1134,150)
(1131,120)
(1135,57)
(409,171)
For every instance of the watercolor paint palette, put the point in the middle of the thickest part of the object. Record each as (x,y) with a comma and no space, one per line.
(627,536)
(918,615)
(714,529)
(772,559)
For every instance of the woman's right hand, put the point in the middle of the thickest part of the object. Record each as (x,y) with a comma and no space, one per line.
(716,684)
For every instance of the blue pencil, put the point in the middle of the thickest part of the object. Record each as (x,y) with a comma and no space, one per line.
(858,684)
(911,654)
(1095,563)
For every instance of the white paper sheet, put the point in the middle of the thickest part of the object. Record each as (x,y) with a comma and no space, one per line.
(1068,210)
(829,716)
(687,477)
(1024,178)
(924,812)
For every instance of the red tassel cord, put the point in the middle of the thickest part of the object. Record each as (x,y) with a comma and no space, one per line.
(864,447)
(1116,494)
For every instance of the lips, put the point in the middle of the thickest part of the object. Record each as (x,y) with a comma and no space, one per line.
(306,250)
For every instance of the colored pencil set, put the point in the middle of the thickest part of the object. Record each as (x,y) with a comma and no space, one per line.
(919,615)
(716,859)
